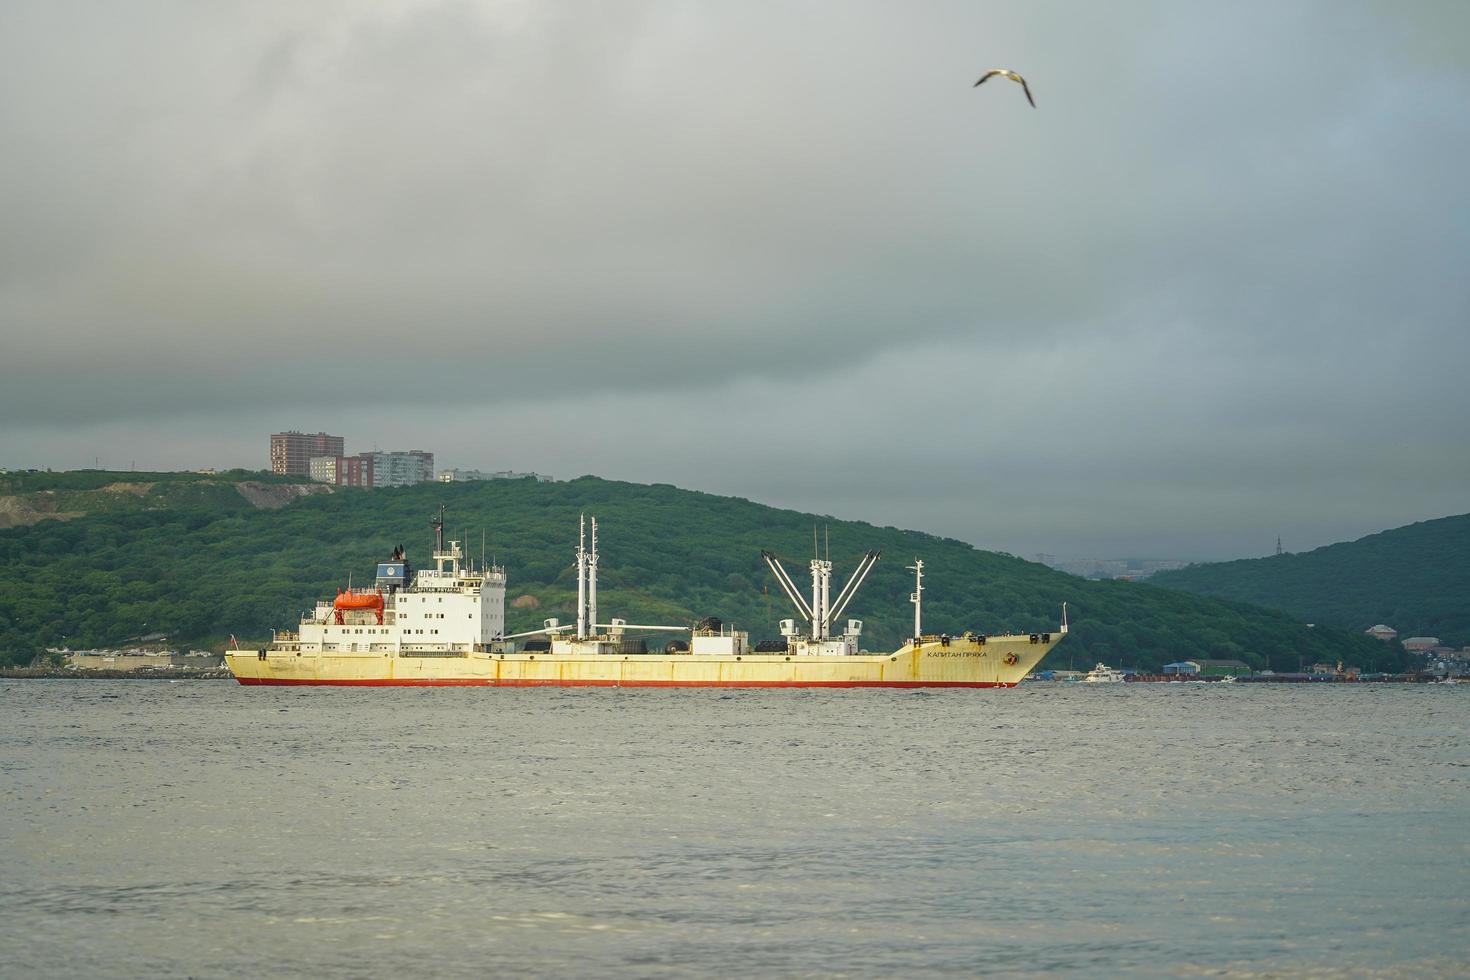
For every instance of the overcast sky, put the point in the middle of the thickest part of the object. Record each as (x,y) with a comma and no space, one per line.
(1214,288)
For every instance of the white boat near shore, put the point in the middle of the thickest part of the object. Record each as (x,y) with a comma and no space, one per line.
(1103,674)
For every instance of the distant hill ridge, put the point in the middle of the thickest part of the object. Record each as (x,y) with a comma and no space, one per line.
(213,566)
(28,498)
(1415,579)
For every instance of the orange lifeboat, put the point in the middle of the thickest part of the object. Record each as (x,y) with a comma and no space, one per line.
(351,600)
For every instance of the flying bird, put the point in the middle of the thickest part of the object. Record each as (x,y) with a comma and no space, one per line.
(1007,73)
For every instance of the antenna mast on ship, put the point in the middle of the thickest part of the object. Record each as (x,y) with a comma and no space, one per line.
(586,579)
(582,577)
(917,595)
(592,580)
(821,587)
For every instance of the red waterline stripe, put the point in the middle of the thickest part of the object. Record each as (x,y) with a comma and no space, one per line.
(490,682)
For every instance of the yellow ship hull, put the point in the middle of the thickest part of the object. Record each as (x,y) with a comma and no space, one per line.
(997,661)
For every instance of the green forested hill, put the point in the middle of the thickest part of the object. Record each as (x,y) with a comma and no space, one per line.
(1415,579)
(26,498)
(199,574)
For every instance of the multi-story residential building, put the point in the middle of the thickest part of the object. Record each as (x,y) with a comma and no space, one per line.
(323,458)
(355,471)
(291,452)
(343,471)
(400,469)
(323,469)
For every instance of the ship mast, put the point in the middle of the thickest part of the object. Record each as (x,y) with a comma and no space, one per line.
(917,596)
(582,578)
(592,581)
(821,576)
(586,580)
(821,583)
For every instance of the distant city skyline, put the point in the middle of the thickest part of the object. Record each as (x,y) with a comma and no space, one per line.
(1208,291)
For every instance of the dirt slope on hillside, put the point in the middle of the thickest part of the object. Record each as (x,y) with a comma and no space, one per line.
(22,509)
(269,496)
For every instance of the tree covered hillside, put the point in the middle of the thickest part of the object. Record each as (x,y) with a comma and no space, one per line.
(26,498)
(1415,579)
(668,555)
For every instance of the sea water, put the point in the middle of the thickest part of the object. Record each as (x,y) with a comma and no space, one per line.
(204,829)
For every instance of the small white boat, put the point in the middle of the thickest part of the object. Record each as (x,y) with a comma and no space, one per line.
(1103,674)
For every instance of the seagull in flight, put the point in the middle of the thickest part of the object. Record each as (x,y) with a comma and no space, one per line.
(1007,73)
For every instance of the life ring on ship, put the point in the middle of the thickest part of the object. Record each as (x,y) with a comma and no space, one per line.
(1011,659)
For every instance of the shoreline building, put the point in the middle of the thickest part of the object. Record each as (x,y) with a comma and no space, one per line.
(292,451)
(465,476)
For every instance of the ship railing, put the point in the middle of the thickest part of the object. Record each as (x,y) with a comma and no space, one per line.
(983,638)
(284,636)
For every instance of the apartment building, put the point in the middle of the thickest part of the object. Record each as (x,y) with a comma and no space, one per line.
(292,452)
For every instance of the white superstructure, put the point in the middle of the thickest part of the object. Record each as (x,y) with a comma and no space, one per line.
(1103,674)
(453,607)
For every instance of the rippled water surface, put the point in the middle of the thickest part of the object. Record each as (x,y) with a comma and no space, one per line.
(204,829)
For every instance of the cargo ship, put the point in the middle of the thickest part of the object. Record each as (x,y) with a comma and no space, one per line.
(445,626)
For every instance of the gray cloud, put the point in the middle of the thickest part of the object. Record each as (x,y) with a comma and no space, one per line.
(1211,285)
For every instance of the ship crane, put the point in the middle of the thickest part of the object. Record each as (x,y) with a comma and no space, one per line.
(821,611)
(788,586)
(865,565)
